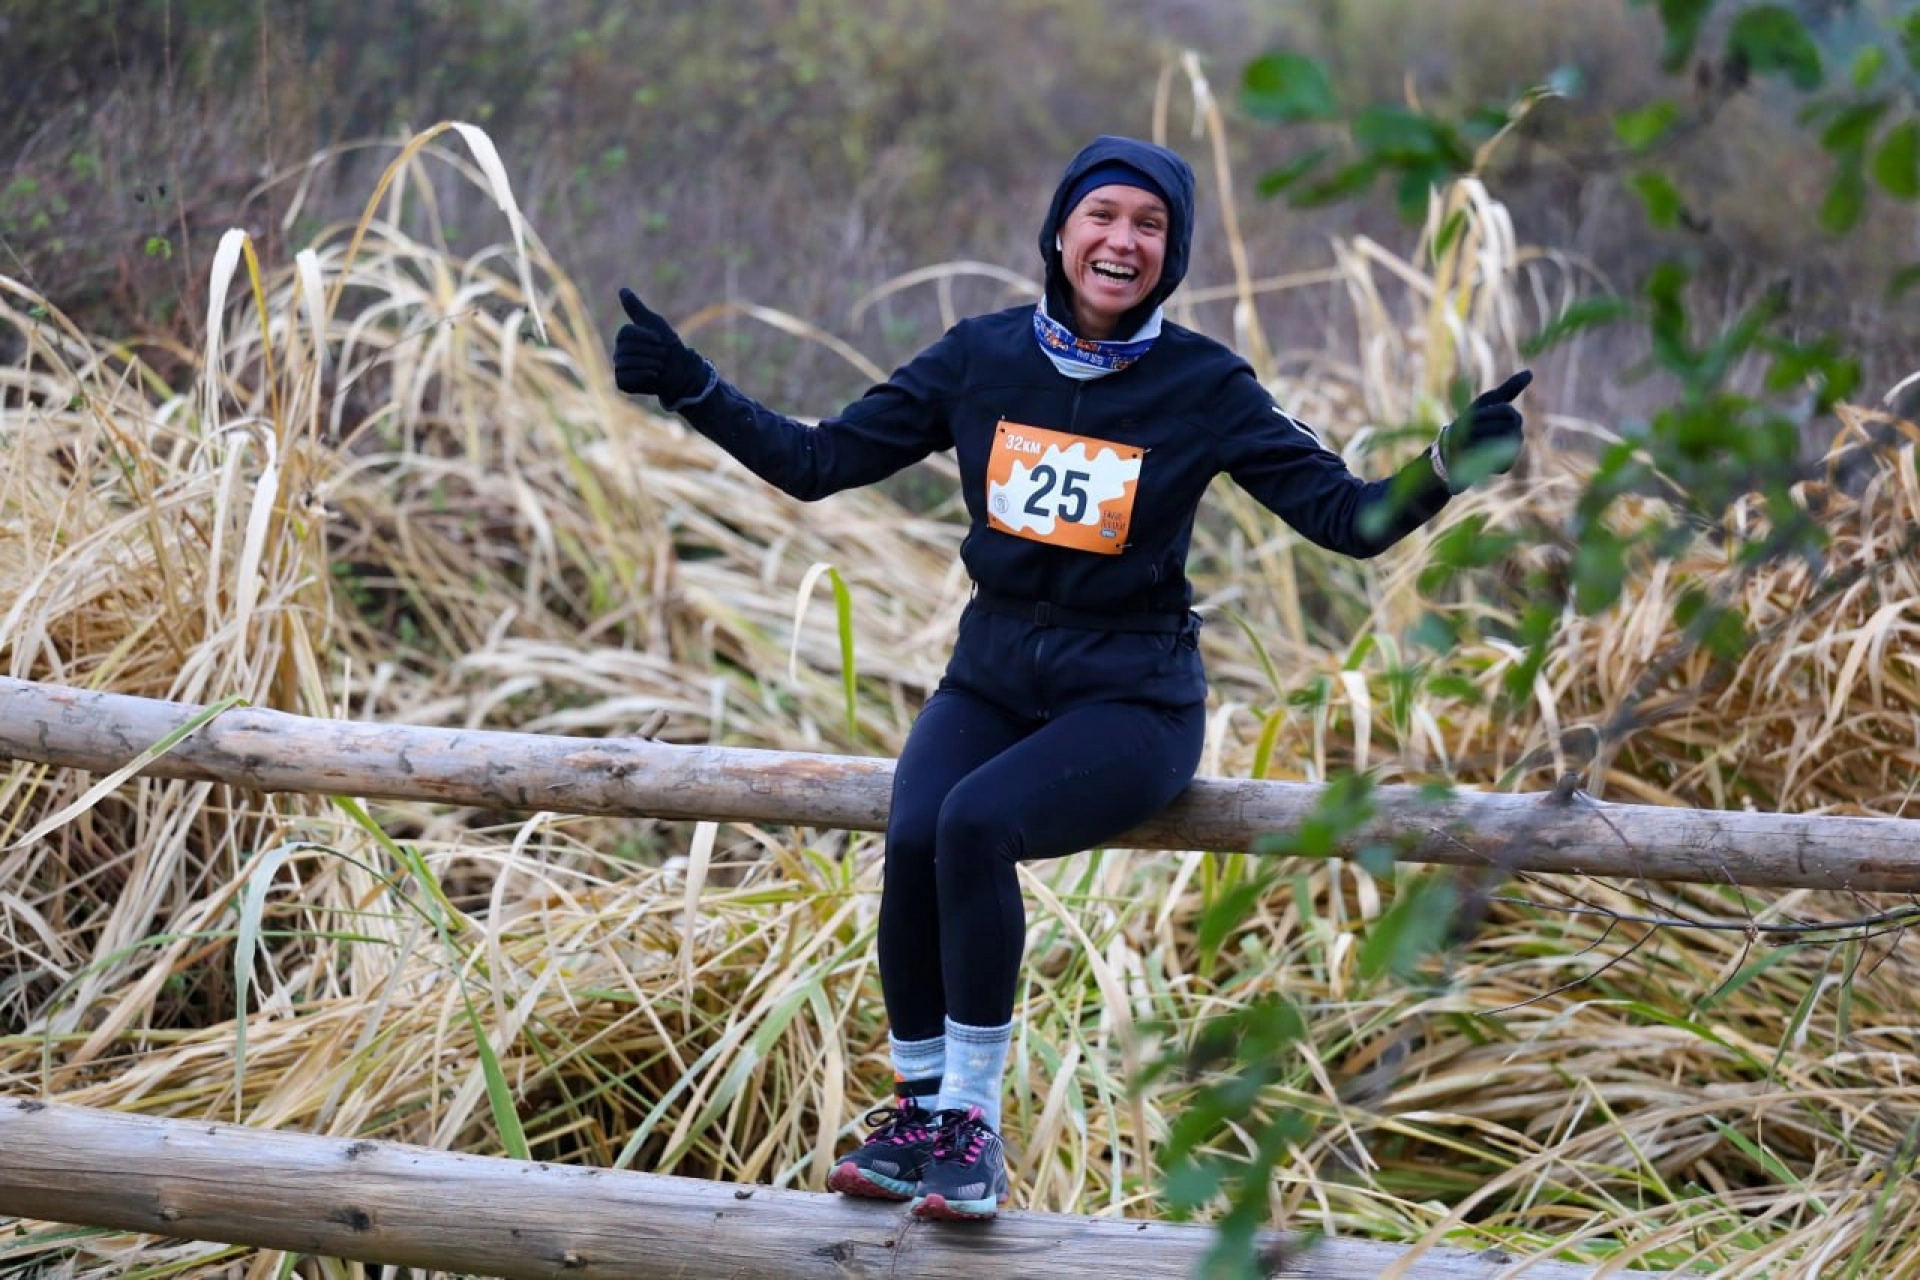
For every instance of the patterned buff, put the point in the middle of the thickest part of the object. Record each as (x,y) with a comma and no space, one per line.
(1084,358)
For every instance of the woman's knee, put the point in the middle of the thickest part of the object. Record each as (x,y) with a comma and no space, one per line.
(909,844)
(970,839)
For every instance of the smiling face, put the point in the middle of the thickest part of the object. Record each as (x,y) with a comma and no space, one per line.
(1111,249)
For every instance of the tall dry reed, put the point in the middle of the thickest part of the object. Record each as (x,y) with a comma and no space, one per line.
(402,488)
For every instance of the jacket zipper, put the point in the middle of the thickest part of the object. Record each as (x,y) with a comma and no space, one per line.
(1041,683)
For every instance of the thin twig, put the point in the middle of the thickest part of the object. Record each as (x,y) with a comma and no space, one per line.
(1900,916)
(1584,978)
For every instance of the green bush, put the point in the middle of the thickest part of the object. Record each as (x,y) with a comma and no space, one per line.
(796,154)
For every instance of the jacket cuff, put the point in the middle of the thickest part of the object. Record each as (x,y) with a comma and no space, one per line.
(1426,485)
(1437,458)
(686,402)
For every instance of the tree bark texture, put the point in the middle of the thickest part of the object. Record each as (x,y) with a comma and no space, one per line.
(415,1206)
(1561,831)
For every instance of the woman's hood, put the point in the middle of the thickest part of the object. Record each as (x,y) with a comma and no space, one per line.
(1170,173)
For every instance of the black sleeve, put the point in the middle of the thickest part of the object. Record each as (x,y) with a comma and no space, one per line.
(1280,461)
(897,423)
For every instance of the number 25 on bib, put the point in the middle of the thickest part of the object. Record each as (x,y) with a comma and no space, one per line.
(1064,490)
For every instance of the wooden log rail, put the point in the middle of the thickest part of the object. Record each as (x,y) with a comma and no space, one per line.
(413,1206)
(1541,832)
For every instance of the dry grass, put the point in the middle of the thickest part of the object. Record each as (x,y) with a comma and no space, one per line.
(403,489)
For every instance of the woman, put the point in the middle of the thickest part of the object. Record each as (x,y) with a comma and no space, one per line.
(1086,429)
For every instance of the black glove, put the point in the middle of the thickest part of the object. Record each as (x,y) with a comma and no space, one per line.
(1484,439)
(650,359)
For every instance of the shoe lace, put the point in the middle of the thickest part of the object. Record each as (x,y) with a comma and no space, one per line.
(960,1136)
(897,1126)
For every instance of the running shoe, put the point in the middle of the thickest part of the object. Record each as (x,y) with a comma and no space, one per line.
(966,1178)
(888,1165)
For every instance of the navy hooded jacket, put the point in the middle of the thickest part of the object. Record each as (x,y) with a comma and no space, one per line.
(1186,411)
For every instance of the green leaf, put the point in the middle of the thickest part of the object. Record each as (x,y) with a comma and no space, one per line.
(1263,748)
(1588,313)
(849,673)
(1667,321)
(1411,138)
(1375,859)
(1747,974)
(1820,362)
(1226,914)
(1402,684)
(1435,631)
(1470,545)
(1411,930)
(1351,180)
(1316,693)
(1343,808)
(1682,20)
(1714,625)
(1191,1184)
(1639,130)
(1896,165)
(1481,123)
(1910,41)
(1288,87)
(1659,196)
(1450,688)
(1259,649)
(1620,471)
(506,1118)
(1416,190)
(440,911)
(1771,39)
(1393,133)
(1740,336)
(1599,570)
(1537,624)
(1851,127)
(1697,435)
(1776,1170)
(246,944)
(1846,200)
(748,1061)
(1867,66)
(1449,233)
(1907,277)
(1362,649)
(1273,182)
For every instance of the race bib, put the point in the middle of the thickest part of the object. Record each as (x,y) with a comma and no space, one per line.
(1060,489)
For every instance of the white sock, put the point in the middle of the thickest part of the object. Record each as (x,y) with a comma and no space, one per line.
(976,1069)
(921,1063)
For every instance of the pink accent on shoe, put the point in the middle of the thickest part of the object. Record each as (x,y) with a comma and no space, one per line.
(848,1179)
(935,1208)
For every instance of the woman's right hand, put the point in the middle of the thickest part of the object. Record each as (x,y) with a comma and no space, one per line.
(650,359)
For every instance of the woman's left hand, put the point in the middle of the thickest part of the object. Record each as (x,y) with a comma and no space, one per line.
(1483,440)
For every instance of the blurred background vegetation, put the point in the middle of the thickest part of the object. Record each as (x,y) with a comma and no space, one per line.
(797,153)
(396,484)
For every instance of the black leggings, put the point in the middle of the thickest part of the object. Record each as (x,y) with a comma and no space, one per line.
(979,789)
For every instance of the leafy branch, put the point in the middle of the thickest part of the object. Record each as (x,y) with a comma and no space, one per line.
(1742,400)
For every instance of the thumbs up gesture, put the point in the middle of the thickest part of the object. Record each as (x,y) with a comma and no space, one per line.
(1484,439)
(650,359)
